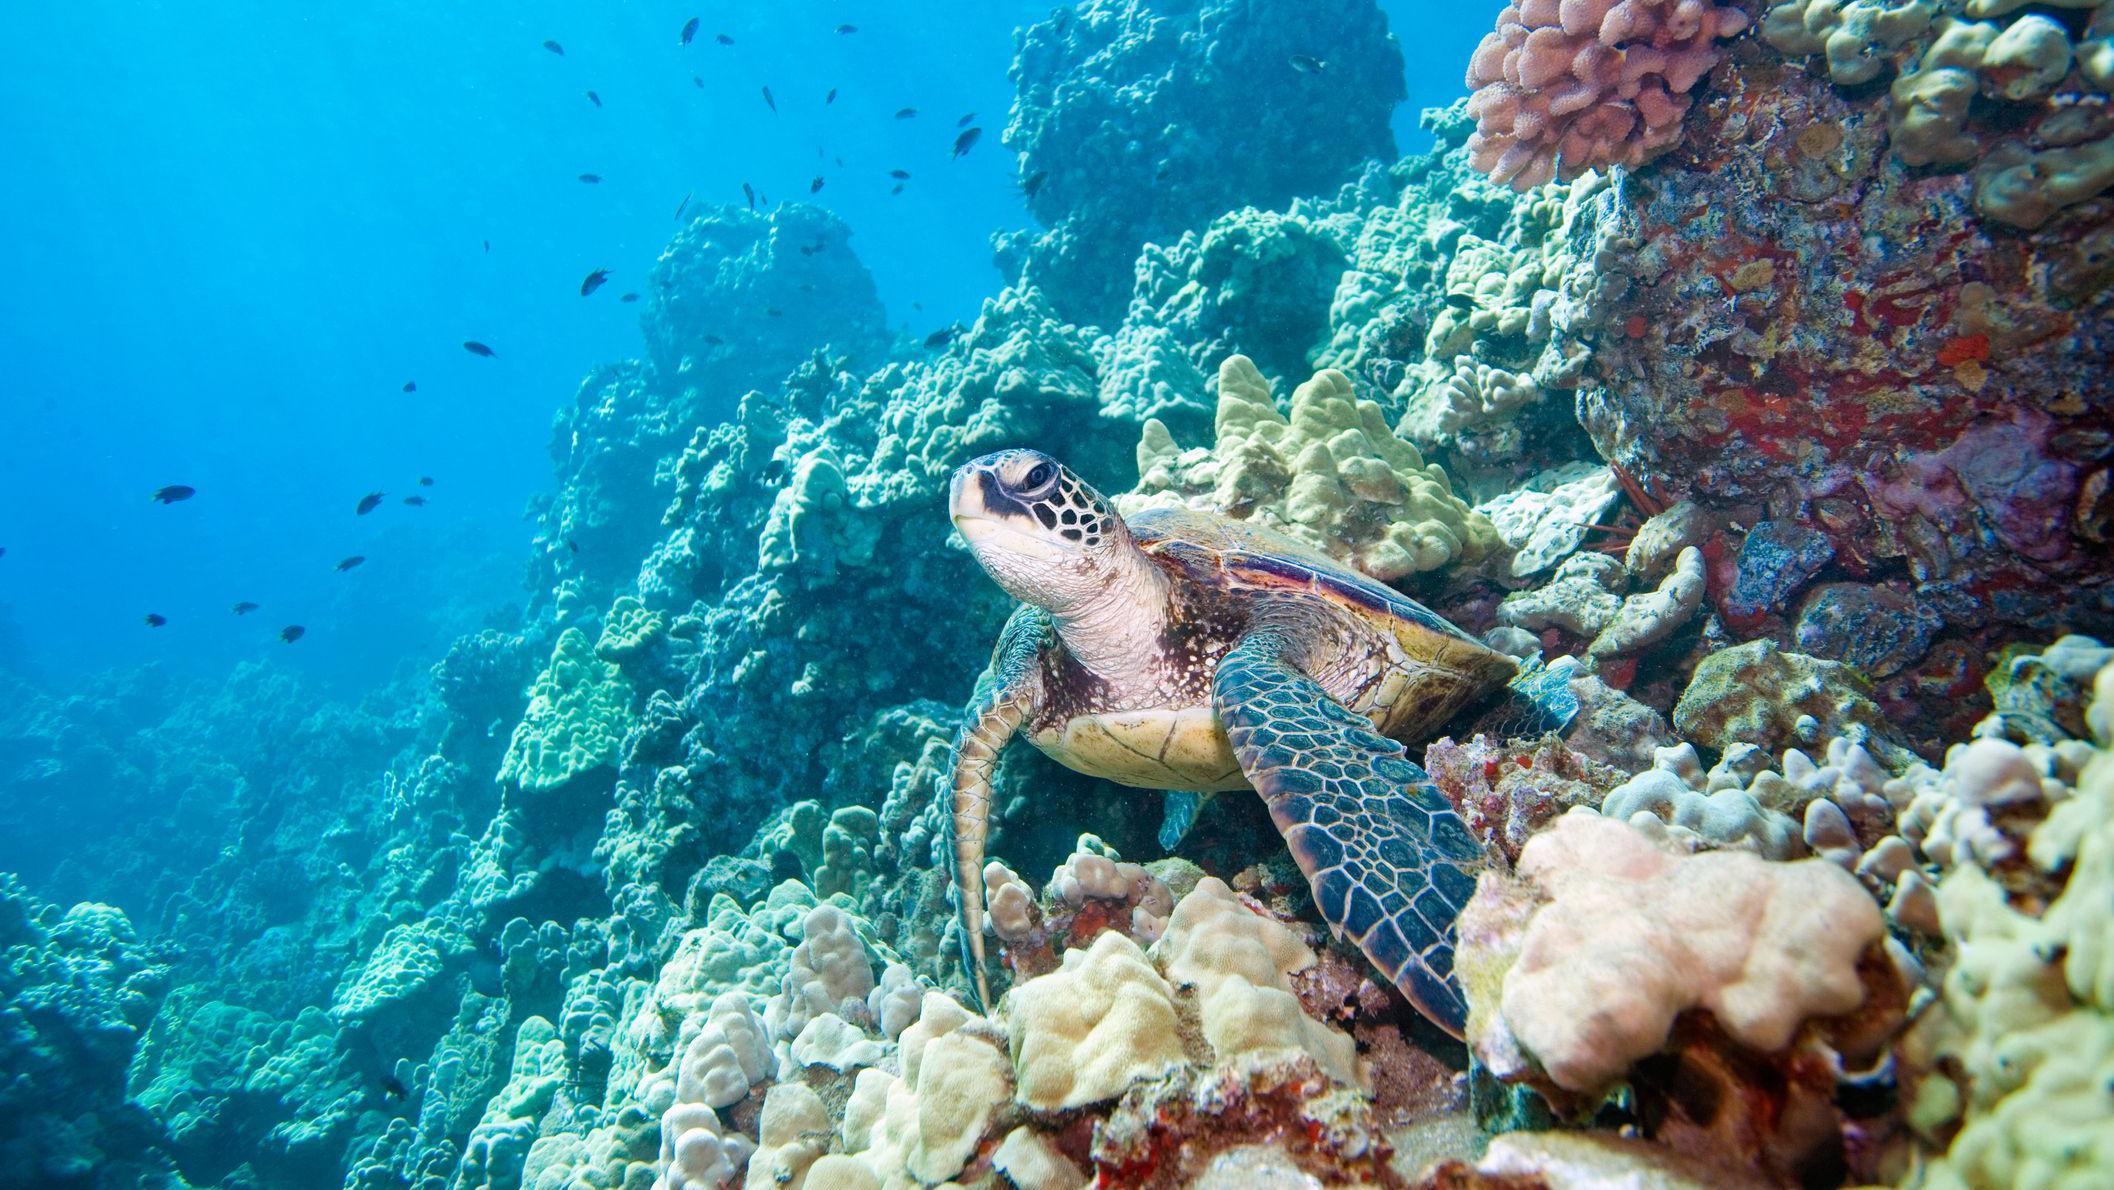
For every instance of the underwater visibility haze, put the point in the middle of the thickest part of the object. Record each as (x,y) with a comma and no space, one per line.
(1148,593)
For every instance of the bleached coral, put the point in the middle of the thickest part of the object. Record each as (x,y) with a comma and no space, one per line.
(1086,1031)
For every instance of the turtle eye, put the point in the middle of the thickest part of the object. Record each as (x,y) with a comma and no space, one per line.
(1038,475)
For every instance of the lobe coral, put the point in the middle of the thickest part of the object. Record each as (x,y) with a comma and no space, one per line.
(1564,86)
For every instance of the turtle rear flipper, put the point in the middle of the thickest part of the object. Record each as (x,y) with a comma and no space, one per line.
(1389,859)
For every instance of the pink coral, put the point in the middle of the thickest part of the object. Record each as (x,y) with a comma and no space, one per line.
(1564,86)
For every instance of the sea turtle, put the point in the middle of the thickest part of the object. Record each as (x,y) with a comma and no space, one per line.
(1190,652)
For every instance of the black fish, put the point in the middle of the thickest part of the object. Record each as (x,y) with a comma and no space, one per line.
(681,207)
(830,98)
(591,179)
(594,99)
(415,501)
(593,282)
(572,545)
(1308,64)
(942,336)
(475,348)
(1034,182)
(714,340)
(245,608)
(3,551)
(723,39)
(368,503)
(292,633)
(896,189)
(1460,301)
(488,245)
(351,562)
(689,31)
(392,1087)
(965,121)
(770,102)
(906,113)
(629,297)
(697,82)
(815,187)
(899,174)
(410,386)
(425,481)
(847,28)
(156,619)
(966,141)
(554,48)
(773,312)
(749,192)
(174,493)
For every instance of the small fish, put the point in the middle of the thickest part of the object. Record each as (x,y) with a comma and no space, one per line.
(896,189)
(393,1087)
(594,99)
(773,312)
(156,619)
(1034,182)
(368,503)
(749,192)
(843,29)
(488,245)
(830,98)
(628,298)
(815,187)
(689,31)
(899,174)
(714,340)
(554,48)
(681,207)
(723,39)
(1308,64)
(410,386)
(415,501)
(572,545)
(770,102)
(173,494)
(966,141)
(475,348)
(908,113)
(349,563)
(697,82)
(965,121)
(943,336)
(425,481)
(591,179)
(292,633)
(1460,301)
(593,282)
(3,551)
(245,608)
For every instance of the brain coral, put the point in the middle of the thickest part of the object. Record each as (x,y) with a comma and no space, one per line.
(1563,86)
(1332,474)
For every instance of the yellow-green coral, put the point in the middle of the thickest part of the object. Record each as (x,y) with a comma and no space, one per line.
(1332,474)
(578,712)
(629,630)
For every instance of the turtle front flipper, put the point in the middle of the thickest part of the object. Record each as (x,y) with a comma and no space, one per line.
(1005,696)
(1389,859)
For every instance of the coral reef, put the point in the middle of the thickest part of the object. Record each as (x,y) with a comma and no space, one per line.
(1140,122)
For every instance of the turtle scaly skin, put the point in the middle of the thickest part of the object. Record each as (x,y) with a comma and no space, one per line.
(1185,652)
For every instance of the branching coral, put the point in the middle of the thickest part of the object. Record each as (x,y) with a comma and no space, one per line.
(1563,87)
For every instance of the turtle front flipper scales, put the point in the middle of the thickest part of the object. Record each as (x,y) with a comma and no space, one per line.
(1005,696)
(1390,862)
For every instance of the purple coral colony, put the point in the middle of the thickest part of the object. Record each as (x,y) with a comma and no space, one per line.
(1750,364)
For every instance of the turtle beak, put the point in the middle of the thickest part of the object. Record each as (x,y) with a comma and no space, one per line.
(965,497)
(985,529)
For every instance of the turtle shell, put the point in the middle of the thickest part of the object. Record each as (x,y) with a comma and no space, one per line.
(1233,555)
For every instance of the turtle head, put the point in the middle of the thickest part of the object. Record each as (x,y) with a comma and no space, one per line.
(1039,530)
